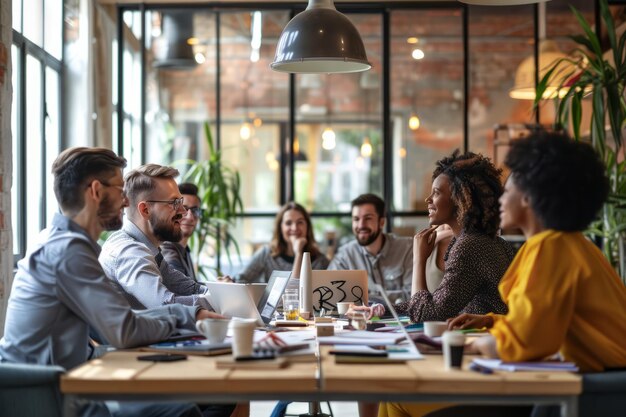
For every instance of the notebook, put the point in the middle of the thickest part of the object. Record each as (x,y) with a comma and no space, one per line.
(331,287)
(236,300)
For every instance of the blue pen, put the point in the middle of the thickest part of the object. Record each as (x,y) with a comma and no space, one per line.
(481,369)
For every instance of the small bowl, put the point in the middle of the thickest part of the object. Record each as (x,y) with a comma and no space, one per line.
(435,328)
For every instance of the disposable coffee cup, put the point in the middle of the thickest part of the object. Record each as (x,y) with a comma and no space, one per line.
(243,336)
(453,344)
(214,330)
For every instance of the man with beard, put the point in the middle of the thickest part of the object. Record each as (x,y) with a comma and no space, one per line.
(388,259)
(132,256)
(60,289)
(177,253)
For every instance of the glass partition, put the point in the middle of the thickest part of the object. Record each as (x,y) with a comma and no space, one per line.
(426,98)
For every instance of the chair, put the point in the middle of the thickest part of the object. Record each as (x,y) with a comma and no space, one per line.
(30,390)
(604,394)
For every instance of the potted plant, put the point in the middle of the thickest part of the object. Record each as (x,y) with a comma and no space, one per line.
(598,77)
(219,188)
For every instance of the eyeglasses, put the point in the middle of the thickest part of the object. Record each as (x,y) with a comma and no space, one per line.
(119,187)
(195,211)
(175,203)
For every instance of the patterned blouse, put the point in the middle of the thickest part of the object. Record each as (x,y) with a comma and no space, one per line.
(474,265)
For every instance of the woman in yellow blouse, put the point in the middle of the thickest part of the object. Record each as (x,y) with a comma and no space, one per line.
(562,294)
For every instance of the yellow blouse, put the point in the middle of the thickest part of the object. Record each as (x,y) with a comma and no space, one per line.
(562,296)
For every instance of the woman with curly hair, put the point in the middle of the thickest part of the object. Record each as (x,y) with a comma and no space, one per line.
(293,235)
(465,192)
(563,295)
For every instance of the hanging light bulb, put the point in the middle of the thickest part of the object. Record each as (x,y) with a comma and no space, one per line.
(417,54)
(257,122)
(296,146)
(414,122)
(245,131)
(328,139)
(366,148)
(402,152)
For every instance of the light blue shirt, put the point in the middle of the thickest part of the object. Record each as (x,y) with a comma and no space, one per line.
(128,257)
(60,290)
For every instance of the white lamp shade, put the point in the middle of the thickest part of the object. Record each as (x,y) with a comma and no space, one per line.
(549,54)
(320,40)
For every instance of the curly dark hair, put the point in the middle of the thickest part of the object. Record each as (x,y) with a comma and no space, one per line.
(564,179)
(476,188)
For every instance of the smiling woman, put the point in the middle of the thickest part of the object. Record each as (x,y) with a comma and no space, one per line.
(293,235)
(464,196)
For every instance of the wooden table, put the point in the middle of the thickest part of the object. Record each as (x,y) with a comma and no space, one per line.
(120,376)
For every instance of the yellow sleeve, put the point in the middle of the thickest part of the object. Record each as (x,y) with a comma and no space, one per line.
(541,305)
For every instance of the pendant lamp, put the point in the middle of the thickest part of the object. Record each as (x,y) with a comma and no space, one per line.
(501,2)
(320,40)
(549,54)
(177,53)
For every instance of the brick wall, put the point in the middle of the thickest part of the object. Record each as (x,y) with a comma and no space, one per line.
(6,91)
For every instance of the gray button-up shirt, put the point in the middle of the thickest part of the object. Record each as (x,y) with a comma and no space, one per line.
(60,290)
(391,267)
(128,257)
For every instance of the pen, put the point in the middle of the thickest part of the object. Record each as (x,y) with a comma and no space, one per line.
(480,369)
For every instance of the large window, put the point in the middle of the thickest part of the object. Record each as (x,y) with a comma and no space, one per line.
(36,115)
(440,80)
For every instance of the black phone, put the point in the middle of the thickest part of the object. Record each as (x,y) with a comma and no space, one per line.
(162,358)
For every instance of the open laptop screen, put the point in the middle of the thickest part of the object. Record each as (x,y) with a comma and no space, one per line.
(271,297)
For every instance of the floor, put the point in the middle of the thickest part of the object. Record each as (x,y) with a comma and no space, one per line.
(340,409)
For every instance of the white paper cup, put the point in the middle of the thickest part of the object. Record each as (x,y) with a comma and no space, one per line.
(453,345)
(343,307)
(213,329)
(435,328)
(243,336)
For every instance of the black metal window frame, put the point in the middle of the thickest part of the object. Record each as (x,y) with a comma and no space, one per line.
(286,160)
(25,48)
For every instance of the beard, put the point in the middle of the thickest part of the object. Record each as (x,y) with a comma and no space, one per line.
(368,240)
(163,230)
(110,218)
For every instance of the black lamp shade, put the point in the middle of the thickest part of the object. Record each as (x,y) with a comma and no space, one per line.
(177,29)
(320,40)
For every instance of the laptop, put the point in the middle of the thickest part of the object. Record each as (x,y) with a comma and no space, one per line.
(331,287)
(413,351)
(236,300)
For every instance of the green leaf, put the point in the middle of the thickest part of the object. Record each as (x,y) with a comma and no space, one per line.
(591,36)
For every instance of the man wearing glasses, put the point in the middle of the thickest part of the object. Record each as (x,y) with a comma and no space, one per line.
(178,254)
(60,290)
(132,256)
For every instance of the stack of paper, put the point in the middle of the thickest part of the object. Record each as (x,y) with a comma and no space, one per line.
(547,366)
(362,337)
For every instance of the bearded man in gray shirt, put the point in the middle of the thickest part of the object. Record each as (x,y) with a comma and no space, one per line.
(132,256)
(60,289)
(387,259)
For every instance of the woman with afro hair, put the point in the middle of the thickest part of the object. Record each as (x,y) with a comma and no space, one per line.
(563,295)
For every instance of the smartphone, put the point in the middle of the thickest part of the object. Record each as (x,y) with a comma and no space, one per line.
(162,358)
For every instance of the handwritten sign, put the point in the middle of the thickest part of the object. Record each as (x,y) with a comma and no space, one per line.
(332,287)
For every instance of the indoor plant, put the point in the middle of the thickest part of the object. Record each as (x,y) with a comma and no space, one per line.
(598,77)
(219,189)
